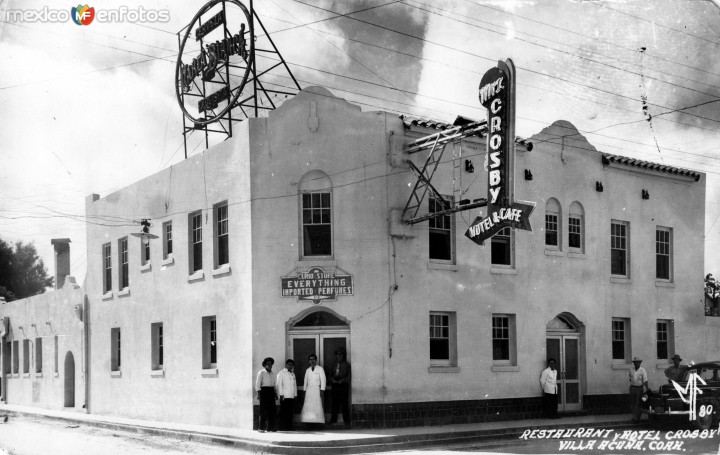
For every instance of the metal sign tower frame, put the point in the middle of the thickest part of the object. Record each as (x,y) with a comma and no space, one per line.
(260,97)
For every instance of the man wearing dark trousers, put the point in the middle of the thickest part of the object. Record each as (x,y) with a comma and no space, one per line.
(548,382)
(287,389)
(265,388)
(340,388)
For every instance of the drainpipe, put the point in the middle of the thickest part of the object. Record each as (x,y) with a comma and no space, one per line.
(86,354)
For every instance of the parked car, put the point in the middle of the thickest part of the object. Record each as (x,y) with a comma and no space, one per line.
(666,401)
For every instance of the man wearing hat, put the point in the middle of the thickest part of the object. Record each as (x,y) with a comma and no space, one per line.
(340,388)
(676,372)
(638,384)
(265,388)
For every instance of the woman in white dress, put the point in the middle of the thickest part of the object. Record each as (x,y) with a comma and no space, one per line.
(314,384)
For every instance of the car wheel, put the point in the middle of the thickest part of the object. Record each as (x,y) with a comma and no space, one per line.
(705,422)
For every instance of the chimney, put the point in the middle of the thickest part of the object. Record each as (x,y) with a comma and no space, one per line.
(62,261)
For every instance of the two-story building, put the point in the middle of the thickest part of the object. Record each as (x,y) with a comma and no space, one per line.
(288,239)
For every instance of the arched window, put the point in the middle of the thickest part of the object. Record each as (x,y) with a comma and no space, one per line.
(316,235)
(552,224)
(576,228)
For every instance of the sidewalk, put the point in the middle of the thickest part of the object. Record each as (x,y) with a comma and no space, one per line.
(328,441)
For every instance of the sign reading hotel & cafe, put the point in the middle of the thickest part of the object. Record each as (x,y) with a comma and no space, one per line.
(497,95)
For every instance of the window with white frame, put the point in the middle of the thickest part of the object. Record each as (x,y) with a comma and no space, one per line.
(124,278)
(115,349)
(317,224)
(665,339)
(16,357)
(501,248)
(209,342)
(222,236)
(316,215)
(57,353)
(443,339)
(26,356)
(156,346)
(195,237)
(107,268)
(38,355)
(552,224)
(621,349)
(619,248)
(7,357)
(441,229)
(167,239)
(503,339)
(663,253)
(576,228)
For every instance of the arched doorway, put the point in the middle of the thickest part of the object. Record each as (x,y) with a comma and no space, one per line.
(320,331)
(69,380)
(565,343)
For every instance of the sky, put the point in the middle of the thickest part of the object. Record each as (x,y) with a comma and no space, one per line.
(92,108)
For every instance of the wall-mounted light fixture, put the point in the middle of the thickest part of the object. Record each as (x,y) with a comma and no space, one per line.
(645,194)
(144,233)
(528,174)
(598,187)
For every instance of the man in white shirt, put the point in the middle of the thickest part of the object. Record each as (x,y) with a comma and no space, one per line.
(265,388)
(548,382)
(638,383)
(287,389)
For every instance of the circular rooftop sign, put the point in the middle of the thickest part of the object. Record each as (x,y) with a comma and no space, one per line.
(218,48)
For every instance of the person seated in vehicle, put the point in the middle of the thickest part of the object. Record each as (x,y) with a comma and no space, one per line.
(676,371)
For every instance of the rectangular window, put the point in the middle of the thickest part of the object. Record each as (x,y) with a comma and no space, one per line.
(501,248)
(222,238)
(167,239)
(8,357)
(144,252)
(38,355)
(115,349)
(575,233)
(209,342)
(619,258)
(16,357)
(665,339)
(551,231)
(503,339)
(443,339)
(107,268)
(441,228)
(663,253)
(621,340)
(195,242)
(26,356)
(123,263)
(316,224)
(57,354)
(156,348)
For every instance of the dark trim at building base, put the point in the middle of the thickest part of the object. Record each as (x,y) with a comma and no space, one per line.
(399,415)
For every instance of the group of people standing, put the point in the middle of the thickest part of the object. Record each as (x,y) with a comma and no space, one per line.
(284,387)
(637,376)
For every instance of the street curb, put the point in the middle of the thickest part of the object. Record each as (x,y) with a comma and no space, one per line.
(347,446)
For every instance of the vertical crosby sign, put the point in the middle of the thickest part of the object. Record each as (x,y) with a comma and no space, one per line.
(497,95)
